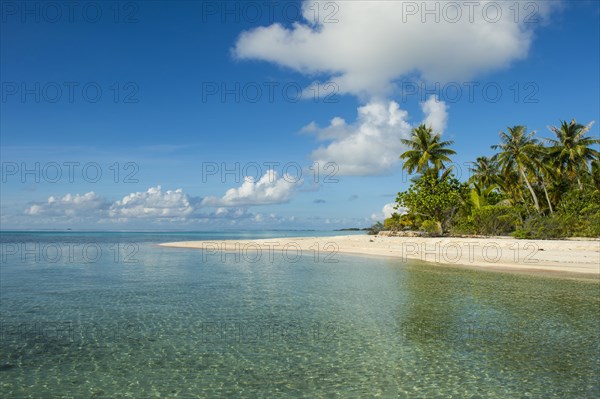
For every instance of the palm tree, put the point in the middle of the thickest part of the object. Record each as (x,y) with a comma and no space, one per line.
(572,150)
(509,184)
(518,150)
(545,172)
(480,196)
(596,174)
(484,171)
(426,151)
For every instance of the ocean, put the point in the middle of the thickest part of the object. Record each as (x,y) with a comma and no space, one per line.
(112,314)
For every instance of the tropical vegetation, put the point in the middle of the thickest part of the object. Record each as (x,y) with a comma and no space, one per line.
(531,187)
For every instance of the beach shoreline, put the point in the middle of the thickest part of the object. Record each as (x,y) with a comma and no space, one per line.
(557,257)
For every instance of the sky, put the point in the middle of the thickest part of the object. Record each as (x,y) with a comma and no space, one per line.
(190,115)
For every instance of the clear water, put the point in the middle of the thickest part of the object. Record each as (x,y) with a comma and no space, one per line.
(114,315)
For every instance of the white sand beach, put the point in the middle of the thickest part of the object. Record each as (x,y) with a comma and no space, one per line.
(497,253)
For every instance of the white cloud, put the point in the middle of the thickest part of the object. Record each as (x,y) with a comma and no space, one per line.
(158,206)
(229,213)
(374,43)
(437,116)
(238,216)
(371,145)
(86,205)
(387,211)
(155,206)
(272,218)
(268,190)
(153,203)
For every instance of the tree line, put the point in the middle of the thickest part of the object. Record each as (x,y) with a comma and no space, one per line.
(531,187)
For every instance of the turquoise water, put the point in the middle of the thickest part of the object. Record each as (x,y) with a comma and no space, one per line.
(113,315)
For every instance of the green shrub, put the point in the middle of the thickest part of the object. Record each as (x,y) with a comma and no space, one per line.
(579,212)
(495,219)
(577,215)
(542,227)
(463,225)
(375,229)
(399,222)
(592,227)
(433,198)
(432,228)
(521,233)
(392,223)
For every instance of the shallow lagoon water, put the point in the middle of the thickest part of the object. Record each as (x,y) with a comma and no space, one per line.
(126,318)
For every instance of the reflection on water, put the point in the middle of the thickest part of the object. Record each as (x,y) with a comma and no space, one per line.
(168,322)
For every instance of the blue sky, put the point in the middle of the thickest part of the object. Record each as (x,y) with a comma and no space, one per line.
(172,94)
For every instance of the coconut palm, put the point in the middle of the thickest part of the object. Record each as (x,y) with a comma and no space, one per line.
(571,151)
(426,151)
(480,196)
(518,150)
(545,172)
(596,174)
(509,184)
(484,171)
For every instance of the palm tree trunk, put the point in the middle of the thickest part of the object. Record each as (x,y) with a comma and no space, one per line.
(546,193)
(548,198)
(525,203)
(535,200)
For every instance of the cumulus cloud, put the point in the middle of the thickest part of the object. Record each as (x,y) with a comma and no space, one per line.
(156,206)
(86,205)
(229,213)
(236,216)
(269,189)
(373,43)
(387,211)
(159,206)
(436,114)
(272,218)
(371,145)
(153,203)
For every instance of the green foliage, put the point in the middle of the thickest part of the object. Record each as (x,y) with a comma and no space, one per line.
(463,225)
(484,171)
(480,197)
(432,228)
(399,222)
(495,220)
(426,151)
(577,202)
(580,212)
(392,224)
(433,198)
(578,215)
(376,228)
(572,149)
(527,189)
(517,157)
(595,175)
(541,227)
(591,228)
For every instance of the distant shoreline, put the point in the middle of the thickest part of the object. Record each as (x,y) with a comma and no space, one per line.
(557,257)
